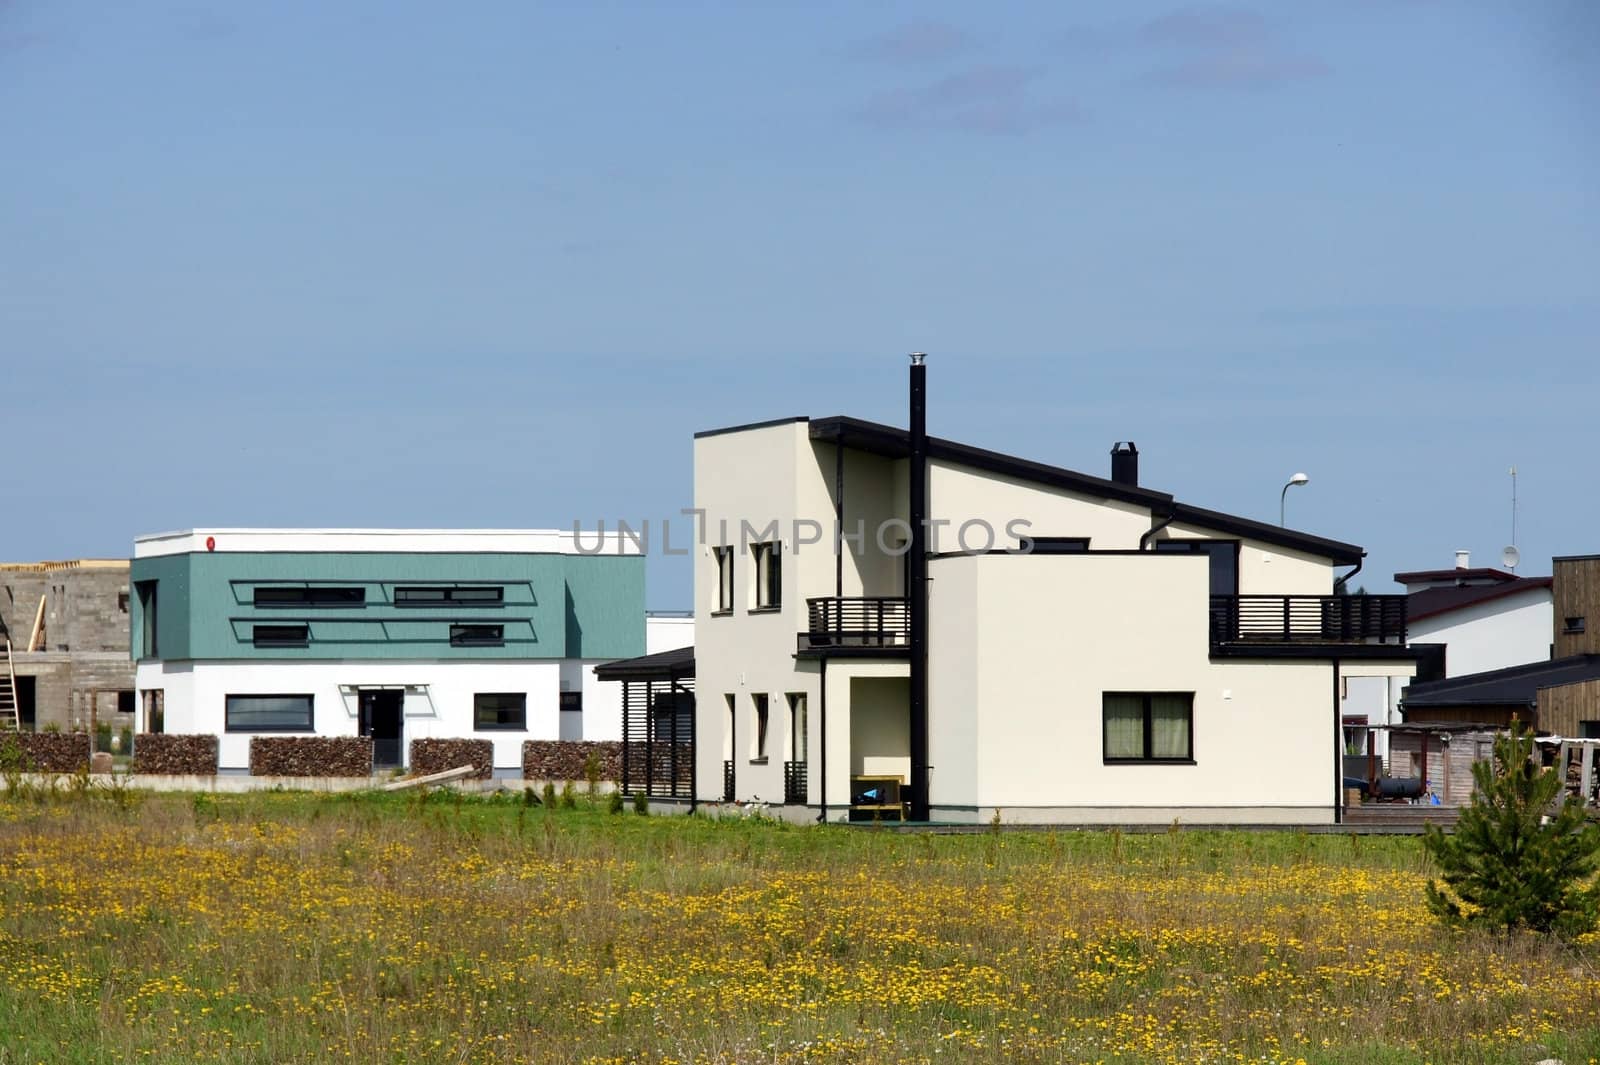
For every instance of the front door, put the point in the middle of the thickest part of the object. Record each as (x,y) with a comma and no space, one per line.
(383,720)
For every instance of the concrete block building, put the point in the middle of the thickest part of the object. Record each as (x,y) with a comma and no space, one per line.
(67,623)
(393,634)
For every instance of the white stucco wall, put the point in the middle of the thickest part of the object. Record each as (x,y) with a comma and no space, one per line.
(1263,731)
(759,475)
(959,494)
(667,633)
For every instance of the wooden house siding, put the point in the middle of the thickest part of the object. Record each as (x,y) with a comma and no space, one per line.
(1563,709)
(1577,595)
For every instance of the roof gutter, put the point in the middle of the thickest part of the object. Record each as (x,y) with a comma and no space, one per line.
(1341,584)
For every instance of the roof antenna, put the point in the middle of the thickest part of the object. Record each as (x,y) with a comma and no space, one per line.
(1511,556)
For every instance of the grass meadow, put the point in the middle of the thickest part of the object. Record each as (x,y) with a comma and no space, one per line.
(279,928)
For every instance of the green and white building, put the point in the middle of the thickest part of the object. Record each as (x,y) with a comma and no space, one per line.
(395,634)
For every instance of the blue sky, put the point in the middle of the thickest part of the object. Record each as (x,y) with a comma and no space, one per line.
(493,264)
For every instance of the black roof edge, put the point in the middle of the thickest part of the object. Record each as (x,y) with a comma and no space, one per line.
(892,442)
(678,663)
(1575,558)
(1321,546)
(769,423)
(896,443)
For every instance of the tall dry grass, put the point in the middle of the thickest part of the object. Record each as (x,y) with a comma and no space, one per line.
(293,928)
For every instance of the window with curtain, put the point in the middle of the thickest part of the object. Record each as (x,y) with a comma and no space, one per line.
(1148,726)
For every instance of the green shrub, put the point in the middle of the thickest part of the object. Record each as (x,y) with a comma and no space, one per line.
(1516,859)
(569,796)
(641,804)
(548,796)
(614,803)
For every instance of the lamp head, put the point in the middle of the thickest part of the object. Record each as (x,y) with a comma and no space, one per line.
(1299,478)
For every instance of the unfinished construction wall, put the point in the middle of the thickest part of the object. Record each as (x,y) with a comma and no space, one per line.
(83,663)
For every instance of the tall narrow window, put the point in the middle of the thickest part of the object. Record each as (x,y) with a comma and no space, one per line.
(797,726)
(1148,726)
(768,575)
(758,737)
(724,557)
(148,646)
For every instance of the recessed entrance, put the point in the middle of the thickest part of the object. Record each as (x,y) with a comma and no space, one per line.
(382,717)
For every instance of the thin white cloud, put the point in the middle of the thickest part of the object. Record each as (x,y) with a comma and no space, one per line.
(989,99)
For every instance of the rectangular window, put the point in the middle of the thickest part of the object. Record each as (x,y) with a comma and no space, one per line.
(148,647)
(724,557)
(1575,626)
(1148,726)
(768,577)
(281,635)
(126,701)
(758,745)
(283,595)
(478,595)
(1589,730)
(1055,545)
(1224,560)
(500,711)
(268,713)
(477,635)
(572,702)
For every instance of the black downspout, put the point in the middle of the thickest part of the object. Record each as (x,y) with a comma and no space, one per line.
(1144,541)
(917,589)
(838,516)
(1338,751)
(822,745)
(1342,585)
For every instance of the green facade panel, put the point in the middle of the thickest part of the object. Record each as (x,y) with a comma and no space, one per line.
(553,606)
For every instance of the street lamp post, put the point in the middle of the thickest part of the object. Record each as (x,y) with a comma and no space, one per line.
(1283,496)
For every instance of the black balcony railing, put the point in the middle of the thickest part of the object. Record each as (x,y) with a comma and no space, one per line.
(1308,619)
(794,782)
(856,621)
(727,781)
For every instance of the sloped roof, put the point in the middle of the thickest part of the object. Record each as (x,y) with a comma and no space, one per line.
(663,665)
(1512,686)
(896,443)
(1431,602)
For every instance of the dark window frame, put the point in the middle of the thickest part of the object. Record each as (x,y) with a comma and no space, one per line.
(1576,625)
(570,702)
(521,708)
(761,711)
(1149,730)
(767,575)
(149,618)
(1205,546)
(723,556)
(462,634)
(280,596)
(410,595)
(280,635)
(310,707)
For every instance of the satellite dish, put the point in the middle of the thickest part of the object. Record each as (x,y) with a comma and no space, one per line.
(1510,557)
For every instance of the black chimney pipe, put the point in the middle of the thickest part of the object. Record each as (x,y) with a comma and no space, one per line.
(917,590)
(1125,463)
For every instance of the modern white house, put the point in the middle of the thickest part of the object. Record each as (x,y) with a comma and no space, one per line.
(1461,620)
(888,624)
(397,634)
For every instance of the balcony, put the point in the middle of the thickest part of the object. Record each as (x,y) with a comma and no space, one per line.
(1290,620)
(861,625)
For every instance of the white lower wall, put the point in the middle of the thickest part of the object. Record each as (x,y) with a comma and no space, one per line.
(195,694)
(1047,636)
